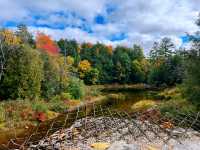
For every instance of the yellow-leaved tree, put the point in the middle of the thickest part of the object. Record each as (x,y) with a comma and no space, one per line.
(83,67)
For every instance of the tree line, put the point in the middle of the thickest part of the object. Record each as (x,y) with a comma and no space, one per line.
(40,67)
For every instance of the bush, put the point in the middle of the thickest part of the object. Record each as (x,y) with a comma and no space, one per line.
(40,106)
(143,105)
(55,98)
(65,96)
(58,106)
(76,88)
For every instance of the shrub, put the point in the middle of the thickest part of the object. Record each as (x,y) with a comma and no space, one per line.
(143,104)
(65,96)
(76,88)
(58,106)
(40,106)
(55,98)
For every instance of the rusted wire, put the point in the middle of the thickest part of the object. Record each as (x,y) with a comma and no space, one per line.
(112,120)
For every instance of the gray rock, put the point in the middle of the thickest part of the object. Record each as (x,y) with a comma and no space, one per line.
(188,145)
(121,145)
(178,131)
(105,129)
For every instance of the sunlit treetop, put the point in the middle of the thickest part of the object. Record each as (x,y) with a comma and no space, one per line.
(9,37)
(45,43)
(89,45)
(110,49)
(84,66)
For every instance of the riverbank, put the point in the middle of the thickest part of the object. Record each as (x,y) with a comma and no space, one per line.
(25,113)
(132,100)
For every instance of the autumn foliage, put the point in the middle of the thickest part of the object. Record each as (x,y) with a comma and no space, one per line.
(9,37)
(110,49)
(84,66)
(89,45)
(45,43)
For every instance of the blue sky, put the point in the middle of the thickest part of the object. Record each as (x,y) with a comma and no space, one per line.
(112,22)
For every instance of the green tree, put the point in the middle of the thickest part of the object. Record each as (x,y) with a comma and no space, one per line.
(76,88)
(51,83)
(167,64)
(122,64)
(103,62)
(70,48)
(136,52)
(92,76)
(25,36)
(192,80)
(138,72)
(162,50)
(23,74)
(166,47)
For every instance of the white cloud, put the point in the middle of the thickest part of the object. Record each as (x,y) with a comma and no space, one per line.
(143,22)
(71,33)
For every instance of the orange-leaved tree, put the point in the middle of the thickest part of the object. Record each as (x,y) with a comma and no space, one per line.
(45,43)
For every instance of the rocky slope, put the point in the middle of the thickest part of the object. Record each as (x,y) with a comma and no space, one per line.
(120,134)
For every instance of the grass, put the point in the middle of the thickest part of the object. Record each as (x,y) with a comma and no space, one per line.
(143,105)
(174,102)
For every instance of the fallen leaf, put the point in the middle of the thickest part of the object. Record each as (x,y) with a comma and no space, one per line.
(167,125)
(151,148)
(100,146)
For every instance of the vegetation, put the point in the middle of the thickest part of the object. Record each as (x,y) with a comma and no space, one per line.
(47,75)
(167,64)
(192,81)
(76,88)
(143,105)
(173,103)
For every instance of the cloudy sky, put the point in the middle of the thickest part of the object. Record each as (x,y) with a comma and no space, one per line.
(108,21)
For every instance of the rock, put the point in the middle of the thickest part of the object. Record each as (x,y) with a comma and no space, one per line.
(100,146)
(188,145)
(121,145)
(125,130)
(178,131)
(96,134)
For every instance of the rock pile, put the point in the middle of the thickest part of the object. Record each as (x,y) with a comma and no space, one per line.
(119,134)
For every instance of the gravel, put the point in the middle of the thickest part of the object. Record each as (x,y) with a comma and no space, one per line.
(121,134)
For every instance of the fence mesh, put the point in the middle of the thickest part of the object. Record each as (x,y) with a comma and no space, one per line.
(97,121)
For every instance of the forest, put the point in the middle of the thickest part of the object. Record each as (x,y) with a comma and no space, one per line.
(42,75)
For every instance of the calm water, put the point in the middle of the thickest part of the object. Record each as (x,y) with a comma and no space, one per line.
(128,98)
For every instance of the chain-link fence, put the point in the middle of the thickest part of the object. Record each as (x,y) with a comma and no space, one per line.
(93,123)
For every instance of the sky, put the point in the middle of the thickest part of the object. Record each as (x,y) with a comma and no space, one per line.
(113,22)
